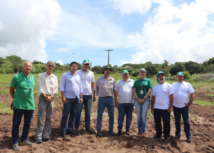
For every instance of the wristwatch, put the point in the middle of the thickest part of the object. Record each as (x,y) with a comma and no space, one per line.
(80,97)
(189,104)
(144,98)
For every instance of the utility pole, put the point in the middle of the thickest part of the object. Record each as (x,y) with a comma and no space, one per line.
(108,54)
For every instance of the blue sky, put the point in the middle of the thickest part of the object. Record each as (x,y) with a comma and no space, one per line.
(137,31)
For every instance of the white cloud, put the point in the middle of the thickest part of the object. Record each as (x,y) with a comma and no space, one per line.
(60,62)
(132,6)
(87,26)
(24,26)
(175,33)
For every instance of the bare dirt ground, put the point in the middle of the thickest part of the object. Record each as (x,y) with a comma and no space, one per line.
(202,123)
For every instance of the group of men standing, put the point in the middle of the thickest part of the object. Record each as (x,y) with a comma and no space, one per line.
(78,88)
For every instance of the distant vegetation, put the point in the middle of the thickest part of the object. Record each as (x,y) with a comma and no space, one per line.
(12,64)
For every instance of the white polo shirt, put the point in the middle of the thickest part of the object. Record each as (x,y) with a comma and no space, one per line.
(181,93)
(87,78)
(162,94)
(125,91)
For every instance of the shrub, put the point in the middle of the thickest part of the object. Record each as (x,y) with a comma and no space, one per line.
(187,75)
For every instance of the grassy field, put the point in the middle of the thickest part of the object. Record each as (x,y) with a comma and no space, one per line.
(199,86)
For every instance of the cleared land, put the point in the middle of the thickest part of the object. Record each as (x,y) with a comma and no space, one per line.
(201,116)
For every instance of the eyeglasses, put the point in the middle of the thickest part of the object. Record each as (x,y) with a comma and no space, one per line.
(50,65)
(87,64)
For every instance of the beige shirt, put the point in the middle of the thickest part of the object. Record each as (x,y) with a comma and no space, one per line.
(47,84)
(104,87)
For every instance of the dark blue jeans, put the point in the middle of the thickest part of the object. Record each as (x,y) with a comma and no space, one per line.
(142,110)
(158,113)
(184,111)
(125,109)
(69,107)
(87,101)
(17,117)
(102,103)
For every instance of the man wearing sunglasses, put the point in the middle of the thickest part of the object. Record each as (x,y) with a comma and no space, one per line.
(87,78)
(47,86)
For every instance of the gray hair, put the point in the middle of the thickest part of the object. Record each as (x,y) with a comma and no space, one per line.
(50,62)
(26,62)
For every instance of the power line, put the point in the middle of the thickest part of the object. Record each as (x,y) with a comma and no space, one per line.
(108,54)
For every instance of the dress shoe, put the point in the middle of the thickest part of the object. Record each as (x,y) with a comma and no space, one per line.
(99,134)
(90,130)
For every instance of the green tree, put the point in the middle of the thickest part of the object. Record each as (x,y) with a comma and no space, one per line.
(176,68)
(1,60)
(211,61)
(151,70)
(16,62)
(193,67)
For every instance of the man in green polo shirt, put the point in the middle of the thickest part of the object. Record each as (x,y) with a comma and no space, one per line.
(21,90)
(142,89)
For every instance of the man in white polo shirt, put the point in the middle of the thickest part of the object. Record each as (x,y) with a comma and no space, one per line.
(161,106)
(181,104)
(87,78)
(123,90)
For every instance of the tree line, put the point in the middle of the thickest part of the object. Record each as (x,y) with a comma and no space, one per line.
(13,64)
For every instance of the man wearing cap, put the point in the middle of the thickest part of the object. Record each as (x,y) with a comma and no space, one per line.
(23,83)
(71,92)
(181,104)
(162,105)
(104,88)
(123,90)
(87,78)
(47,86)
(142,89)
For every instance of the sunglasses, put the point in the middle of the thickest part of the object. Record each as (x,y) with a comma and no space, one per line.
(50,65)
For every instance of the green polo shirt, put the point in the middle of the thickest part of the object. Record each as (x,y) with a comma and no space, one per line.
(142,86)
(23,98)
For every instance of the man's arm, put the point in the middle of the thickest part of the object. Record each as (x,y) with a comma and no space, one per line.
(12,92)
(192,96)
(152,104)
(115,98)
(93,92)
(171,103)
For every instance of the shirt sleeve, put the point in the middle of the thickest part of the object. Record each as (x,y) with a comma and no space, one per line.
(150,84)
(134,86)
(62,82)
(39,84)
(14,81)
(191,89)
(117,86)
(56,87)
(171,91)
(93,78)
(153,92)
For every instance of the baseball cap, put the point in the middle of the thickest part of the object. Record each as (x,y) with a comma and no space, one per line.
(107,67)
(86,61)
(180,73)
(125,71)
(143,69)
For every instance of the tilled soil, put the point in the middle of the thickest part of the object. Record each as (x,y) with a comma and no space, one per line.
(201,128)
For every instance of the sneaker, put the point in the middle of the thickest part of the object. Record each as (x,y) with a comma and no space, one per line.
(63,135)
(111,132)
(16,147)
(99,134)
(45,139)
(119,133)
(90,130)
(25,142)
(39,141)
(177,137)
(157,137)
(189,140)
(165,140)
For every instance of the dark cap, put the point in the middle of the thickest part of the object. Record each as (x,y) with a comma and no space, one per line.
(107,67)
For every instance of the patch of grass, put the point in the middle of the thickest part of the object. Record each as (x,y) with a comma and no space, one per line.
(209,94)
(149,113)
(5,109)
(193,117)
(4,92)
(35,93)
(54,105)
(204,103)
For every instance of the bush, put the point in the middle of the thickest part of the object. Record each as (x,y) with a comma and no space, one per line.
(177,68)
(187,75)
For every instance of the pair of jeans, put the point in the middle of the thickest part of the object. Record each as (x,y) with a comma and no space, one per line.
(184,111)
(125,109)
(47,107)
(17,116)
(87,101)
(102,103)
(142,110)
(158,113)
(69,107)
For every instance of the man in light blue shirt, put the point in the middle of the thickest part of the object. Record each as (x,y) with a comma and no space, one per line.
(71,92)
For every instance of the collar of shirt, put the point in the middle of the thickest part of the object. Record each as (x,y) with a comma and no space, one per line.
(48,75)
(84,71)
(106,79)
(69,72)
(25,75)
(127,80)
